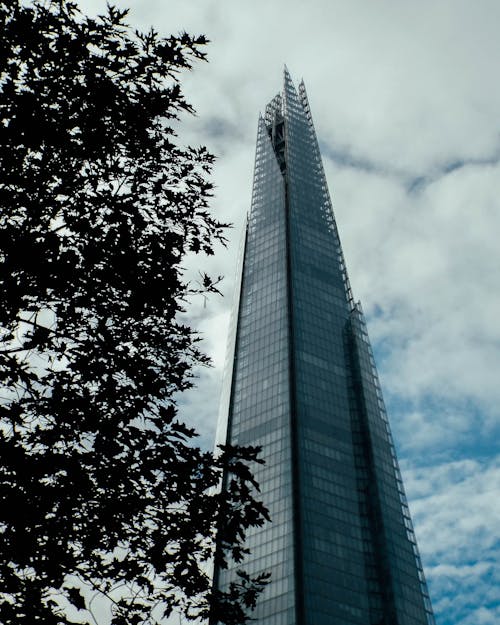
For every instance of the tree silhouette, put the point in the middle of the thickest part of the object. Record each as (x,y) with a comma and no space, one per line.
(102,491)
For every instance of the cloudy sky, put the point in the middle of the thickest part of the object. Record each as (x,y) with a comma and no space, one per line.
(406,102)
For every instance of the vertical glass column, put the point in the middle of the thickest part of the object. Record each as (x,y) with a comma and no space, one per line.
(259,411)
(334,584)
(393,567)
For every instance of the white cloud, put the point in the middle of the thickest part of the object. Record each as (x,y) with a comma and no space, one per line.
(456,508)
(425,265)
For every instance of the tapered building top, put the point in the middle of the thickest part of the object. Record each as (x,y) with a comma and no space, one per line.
(302,384)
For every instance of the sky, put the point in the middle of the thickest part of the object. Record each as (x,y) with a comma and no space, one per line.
(405,99)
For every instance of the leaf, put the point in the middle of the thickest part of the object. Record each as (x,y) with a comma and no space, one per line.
(76,598)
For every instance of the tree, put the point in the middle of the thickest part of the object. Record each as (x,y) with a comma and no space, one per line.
(102,489)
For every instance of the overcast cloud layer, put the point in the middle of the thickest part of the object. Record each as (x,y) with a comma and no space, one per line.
(406,101)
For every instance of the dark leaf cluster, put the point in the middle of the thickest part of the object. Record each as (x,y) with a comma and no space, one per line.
(101,488)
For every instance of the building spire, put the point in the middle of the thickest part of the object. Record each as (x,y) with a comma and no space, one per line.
(304,388)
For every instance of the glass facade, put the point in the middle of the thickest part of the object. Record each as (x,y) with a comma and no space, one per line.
(302,384)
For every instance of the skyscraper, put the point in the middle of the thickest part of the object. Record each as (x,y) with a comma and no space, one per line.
(302,384)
